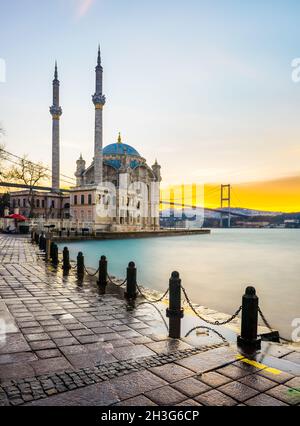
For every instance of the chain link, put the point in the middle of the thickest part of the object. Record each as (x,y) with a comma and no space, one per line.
(155,307)
(206,320)
(114,283)
(207,328)
(151,300)
(267,324)
(91,275)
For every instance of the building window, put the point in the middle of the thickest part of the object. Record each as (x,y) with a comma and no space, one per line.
(38,203)
(82,215)
(75,200)
(43,204)
(24,202)
(52,204)
(19,202)
(90,199)
(82,199)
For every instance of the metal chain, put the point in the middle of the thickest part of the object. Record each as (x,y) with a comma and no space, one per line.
(206,320)
(267,324)
(155,307)
(114,283)
(151,300)
(91,275)
(210,329)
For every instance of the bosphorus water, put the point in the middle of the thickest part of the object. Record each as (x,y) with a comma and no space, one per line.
(215,268)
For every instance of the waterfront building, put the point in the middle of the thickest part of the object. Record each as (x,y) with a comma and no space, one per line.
(117,191)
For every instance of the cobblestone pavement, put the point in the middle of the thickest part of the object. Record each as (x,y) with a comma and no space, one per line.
(63,343)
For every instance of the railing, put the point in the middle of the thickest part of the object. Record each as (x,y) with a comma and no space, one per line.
(249,340)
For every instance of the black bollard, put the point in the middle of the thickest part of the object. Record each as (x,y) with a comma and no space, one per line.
(102,282)
(80,264)
(175,311)
(51,249)
(55,255)
(40,242)
(66,260)
(248,340)
(131,290)
(43,243)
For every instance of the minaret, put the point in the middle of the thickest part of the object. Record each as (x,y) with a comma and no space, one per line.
(99,102)
(56,112)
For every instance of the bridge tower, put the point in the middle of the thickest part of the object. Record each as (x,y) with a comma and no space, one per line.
(226,202)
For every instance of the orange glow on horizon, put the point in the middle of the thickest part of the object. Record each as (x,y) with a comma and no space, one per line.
(280,195)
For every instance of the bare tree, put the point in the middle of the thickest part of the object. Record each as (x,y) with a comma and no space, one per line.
(2,158)
(29,174)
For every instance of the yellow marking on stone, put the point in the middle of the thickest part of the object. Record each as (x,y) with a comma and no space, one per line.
(259,365)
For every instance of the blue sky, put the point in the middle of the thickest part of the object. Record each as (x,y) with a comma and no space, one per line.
(204,86)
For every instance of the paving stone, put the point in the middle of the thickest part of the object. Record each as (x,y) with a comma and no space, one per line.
(294,383)
(15,371)
(45,344)
(281,377)
(37,337)
(263,400)
(67,341)
(165,396)
(213,379)
(275,349)
(14,343)
(285,394)
(167,346)
(100,394)
(138,401)
(191,387)
(17,357)
(43,366)
(59,334)
(135,384)
(208,360)
(257,382)
(92,338)
(293,357)
(189,403)
(238,391)
(132,352)
(48,353)
(232,372)
(215,398)
(172,372)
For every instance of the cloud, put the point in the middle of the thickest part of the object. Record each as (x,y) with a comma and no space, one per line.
(83,7)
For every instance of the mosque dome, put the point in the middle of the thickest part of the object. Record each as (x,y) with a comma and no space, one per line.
(120,148)
(112,154)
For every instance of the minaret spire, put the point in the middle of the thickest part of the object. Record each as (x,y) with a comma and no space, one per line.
(99,102)
(56,112)
(99,56)
(55,71)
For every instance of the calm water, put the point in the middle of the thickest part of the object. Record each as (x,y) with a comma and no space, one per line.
(215,268)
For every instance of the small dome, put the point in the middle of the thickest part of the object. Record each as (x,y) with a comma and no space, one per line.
(120,148)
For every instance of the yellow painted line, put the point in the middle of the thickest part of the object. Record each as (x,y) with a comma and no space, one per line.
(259,365)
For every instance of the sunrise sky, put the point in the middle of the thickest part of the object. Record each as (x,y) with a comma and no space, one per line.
(203,86)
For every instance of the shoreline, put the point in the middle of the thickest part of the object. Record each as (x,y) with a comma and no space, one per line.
(130,235)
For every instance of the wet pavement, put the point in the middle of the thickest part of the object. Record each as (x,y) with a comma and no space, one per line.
(64,343)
